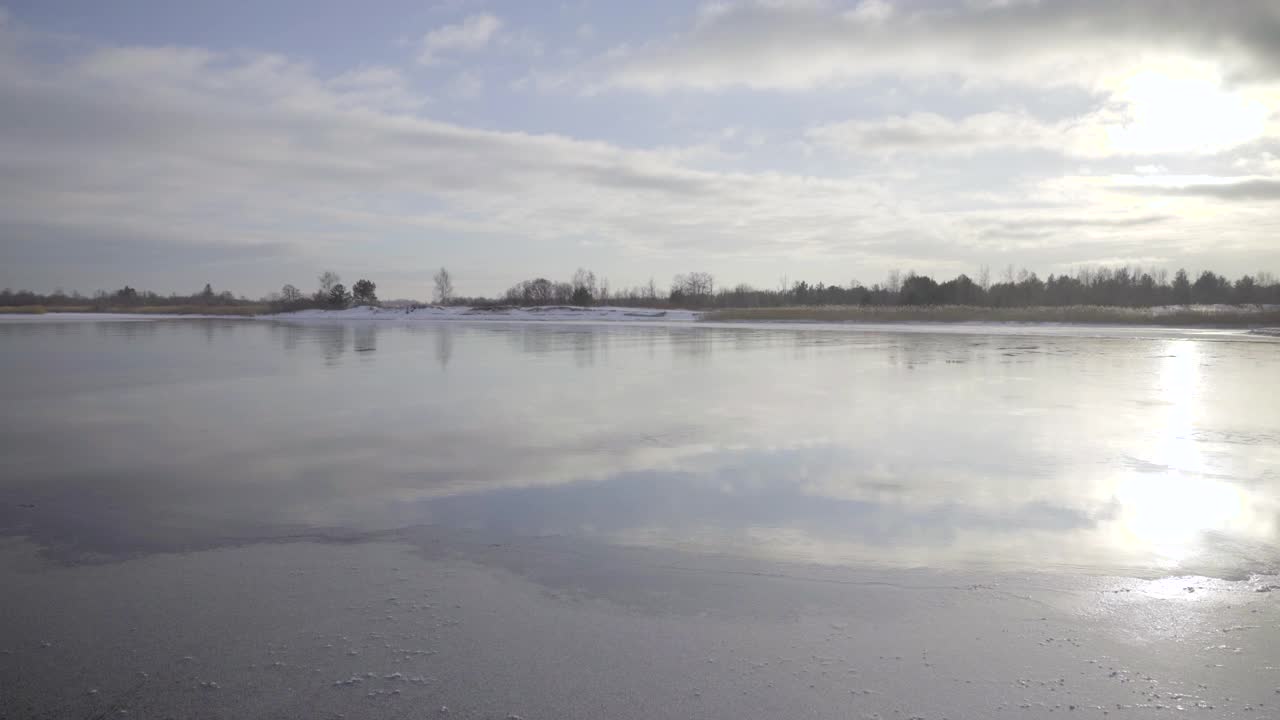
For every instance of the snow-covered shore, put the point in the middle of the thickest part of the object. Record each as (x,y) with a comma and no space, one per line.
(555,313)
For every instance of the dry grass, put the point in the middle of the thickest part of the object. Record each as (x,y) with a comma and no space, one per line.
(24,310)
(1199,316)
(233,311)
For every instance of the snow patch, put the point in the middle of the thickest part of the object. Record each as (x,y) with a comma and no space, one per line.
(550,313)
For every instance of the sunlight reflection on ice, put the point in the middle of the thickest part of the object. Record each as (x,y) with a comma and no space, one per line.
(1171,510)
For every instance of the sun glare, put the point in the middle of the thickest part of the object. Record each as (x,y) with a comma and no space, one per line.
(1167,114)
(1167,512)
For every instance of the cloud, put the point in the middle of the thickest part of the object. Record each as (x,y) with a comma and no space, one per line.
(1031,228)
(377,86)
(1146,115)
(1067,222)
(1231,189)
(1177,77)
(924,132)
(472,34)
(1262,162)
(467,85)
(256,150)
(796,46)
(242,154)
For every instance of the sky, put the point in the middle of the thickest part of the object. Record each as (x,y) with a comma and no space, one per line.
(250,144)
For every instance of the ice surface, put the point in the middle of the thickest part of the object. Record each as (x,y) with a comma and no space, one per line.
(576,521)
(791,640)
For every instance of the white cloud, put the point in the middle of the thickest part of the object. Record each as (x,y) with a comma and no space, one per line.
(1147,114)
(923,132)
(189,146)
(1264,163)
(785,46)
(376,86)
(871,11)
(467,85)
(1245,188)
(472,34)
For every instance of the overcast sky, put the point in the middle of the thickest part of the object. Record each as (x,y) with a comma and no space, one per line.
(253,143)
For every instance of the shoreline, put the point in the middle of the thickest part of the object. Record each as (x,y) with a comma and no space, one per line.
(1175,316)
(1260,321)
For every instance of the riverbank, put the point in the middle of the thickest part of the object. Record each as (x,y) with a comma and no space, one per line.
(1216,316)
(1258,319)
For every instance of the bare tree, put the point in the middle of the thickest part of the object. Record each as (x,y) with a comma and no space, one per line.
(678,284)
(290,294)
(584,281)
(984,277)
(696,283)
(328,279)
(444,287)
(894,282)
(539,291)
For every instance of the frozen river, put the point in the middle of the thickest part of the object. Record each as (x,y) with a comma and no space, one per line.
(217,518)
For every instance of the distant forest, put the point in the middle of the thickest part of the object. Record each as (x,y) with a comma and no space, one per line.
(1120,287)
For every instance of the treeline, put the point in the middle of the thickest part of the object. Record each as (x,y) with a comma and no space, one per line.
(1121,287)
(330,293)
(125,297)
